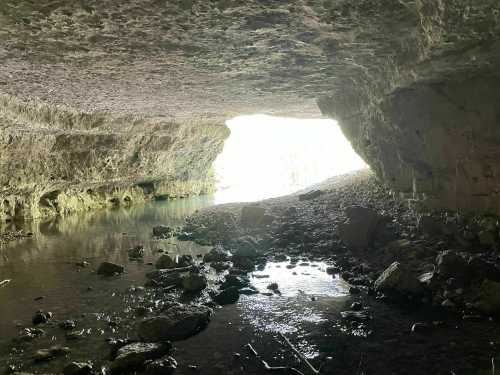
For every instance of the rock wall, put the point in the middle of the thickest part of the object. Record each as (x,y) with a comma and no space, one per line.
(421,105)
(56,160)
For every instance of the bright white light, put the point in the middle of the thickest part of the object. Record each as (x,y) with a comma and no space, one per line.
(268,156)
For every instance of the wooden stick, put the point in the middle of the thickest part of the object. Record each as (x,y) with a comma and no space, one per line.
(300,355)
(290,370)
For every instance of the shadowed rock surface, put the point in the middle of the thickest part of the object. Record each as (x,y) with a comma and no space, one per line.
(412,83)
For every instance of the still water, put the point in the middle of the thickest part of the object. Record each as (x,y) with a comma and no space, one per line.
(45,275)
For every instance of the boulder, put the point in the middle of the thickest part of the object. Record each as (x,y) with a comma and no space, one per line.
(131,357)
(252,216)
(51,353)
(220,266)
(163,231)
(227,296)
(176,323)
(451,264)
(162,366)
(397,278)
(136,252)
(217,254)
(246,246)
(194,282)
(489,297)
(110,269)
(165,262)
(78,368)
(235,280)
(359,229)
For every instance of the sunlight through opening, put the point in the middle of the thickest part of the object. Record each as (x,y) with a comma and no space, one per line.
(266,157)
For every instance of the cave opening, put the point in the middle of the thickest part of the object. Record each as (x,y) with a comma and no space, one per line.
(267,156)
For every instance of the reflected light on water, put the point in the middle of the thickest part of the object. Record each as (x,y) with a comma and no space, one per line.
(266,157)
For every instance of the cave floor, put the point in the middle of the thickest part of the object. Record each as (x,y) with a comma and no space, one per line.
(48,272)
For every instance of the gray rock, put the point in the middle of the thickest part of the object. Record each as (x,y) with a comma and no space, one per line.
(165,262)
(131,357)
(110,269)
(176,323)
(41,317)
(162,366)
(194,282)
(451,264)
(227,296)
(398,278)
(217,254)
(67,324)
(359,230)
(42,355)
(78,368)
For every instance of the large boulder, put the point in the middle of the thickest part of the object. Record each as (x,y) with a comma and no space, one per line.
(194,282)
(398,278)
(176,323)
(131,357)
(358,231)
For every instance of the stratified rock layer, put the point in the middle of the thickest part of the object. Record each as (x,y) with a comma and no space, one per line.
(56,160)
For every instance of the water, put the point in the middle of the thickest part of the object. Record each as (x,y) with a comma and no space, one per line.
(45,266)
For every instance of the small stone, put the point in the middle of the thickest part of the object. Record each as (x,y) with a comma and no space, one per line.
(420,327)
(273,286)
(136,252)
(448,303)
(356,306)
(41,317)
(67,324)
(110,269)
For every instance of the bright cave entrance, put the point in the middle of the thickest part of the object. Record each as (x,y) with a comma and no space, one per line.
(266,157)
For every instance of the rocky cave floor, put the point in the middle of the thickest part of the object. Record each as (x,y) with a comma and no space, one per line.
(423,292)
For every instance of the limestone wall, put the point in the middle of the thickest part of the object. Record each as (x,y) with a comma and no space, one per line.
(54,160)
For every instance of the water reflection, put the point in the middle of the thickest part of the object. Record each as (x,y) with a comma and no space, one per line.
(44,265)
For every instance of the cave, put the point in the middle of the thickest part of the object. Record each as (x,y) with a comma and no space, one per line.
(123,125)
